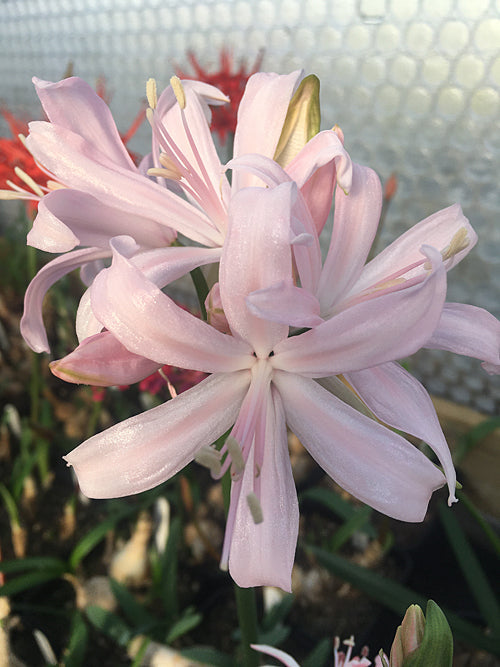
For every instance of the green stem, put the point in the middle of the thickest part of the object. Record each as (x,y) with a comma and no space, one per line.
(245,599)
(201,287)
(247,617)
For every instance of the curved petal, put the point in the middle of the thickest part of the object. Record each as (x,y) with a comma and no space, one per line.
(161,266)
(322,149)
(354,227)
(307,258)
(144,451)
(75,105)
(262,554)
(164,265)
(67,218)
(438,231)
(285,303)
(368,460)
(389,327)
(199,148)
(399,400)
(256,254)
(86,323)
(102,361)
(286,659)
(79,165)
(471,331)
(148,323)
(32,328)
(266,96)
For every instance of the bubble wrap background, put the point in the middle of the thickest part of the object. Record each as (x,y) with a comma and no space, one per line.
(414,84)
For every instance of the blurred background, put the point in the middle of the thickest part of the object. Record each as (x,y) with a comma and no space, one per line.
(414,84)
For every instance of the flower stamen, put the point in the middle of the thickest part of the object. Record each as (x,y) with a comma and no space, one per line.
(179,93)
(151,93)
(234,450)
(26,178)
(255,508)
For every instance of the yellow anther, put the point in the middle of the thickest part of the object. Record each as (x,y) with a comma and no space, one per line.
(459,242)
(179,93)
(255,508)
(164,173)
(235,453)
(55,185)
(29,181)
(22,139)
(151,93)
(9,194)
(167,162)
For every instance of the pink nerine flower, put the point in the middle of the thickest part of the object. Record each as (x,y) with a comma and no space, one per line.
(341,659)
(261,380)
(99,193)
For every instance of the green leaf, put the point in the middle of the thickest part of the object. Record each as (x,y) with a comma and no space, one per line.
(337,505)
(275,636)
(27,581)
(32,563)
(487,529)
(319,655)
(169,570)
(473,437)
(74,654)
(437,643)
(358,519)
(109,624)
(208,656)
(94,536)
(141,652)
(472,571)
(135,613)
(277,613)
(188,621)
(398,598)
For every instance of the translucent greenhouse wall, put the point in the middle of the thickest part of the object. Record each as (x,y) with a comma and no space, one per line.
(414,84)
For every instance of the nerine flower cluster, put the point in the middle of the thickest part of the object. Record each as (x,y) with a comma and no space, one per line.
(291,340)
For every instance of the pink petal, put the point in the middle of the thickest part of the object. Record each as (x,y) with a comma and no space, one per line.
(86,323)
(164,265)
(307,258)
(369,461)
(79,165)
(354,227)
(197,115)
(389,327)
(286,659)
(399,400)
(144,451)
(123,298)
(75,105)
(161,266)
(471,331)
(285,303)
(320,164)
(437,231)
(67,218)
(256,254)
(263,554)
(32,328)
(266,96)
(103,362)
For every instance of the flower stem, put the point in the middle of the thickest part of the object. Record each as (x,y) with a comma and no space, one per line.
(247,617)
(201,287)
